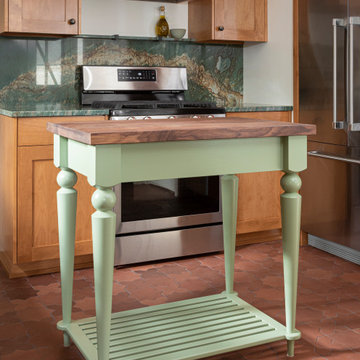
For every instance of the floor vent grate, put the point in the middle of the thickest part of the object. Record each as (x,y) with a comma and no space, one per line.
(336,249)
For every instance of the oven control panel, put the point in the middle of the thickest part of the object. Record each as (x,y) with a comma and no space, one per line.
(136,75)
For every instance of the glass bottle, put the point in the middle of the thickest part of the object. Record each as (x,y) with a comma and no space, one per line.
(162,26)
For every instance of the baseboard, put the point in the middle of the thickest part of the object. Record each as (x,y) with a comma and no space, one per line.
(304,238)
(5,262)
(258,237)
(341,251)
(40,267)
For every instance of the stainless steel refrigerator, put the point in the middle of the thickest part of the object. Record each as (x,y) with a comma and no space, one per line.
(329,95)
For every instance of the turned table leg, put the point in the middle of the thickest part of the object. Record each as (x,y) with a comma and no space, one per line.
(66,203)
(103,232)
(229,191)
(290,215)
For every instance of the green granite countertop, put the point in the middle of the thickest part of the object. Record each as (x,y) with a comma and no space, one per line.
(249,107)
(38,110)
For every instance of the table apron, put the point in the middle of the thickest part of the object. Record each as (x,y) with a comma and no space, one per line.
(108,165)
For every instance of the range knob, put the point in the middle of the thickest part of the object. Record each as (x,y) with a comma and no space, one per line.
(210,116)
(131,118)
(171,117)
(195,117)
(147,118)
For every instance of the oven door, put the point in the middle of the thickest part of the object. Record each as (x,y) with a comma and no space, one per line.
(167,204)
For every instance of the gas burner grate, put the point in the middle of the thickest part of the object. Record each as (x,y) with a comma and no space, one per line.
(137,106)
(197,105)
(170,105)
(151,105)
(104,104)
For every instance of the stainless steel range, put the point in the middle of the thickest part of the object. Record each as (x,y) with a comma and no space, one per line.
(171,217)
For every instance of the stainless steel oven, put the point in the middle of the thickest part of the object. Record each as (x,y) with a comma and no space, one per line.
(165,218)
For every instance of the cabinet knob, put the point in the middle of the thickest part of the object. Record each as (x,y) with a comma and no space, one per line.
(72,21)
(221,28)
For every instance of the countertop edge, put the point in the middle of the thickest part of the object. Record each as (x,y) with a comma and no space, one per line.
(97,112)
(53,113)
(161,130)
(259,108)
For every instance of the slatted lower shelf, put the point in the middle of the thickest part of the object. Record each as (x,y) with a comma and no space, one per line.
(189,329)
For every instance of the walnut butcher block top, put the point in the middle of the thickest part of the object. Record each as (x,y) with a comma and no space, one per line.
(143,131)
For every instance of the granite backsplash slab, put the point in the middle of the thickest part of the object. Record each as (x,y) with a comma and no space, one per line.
(47,71)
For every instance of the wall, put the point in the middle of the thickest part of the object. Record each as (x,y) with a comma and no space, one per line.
(268,67)
(129,18)
(267,77)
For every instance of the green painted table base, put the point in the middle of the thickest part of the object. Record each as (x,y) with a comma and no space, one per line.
(193,328)
(189,329)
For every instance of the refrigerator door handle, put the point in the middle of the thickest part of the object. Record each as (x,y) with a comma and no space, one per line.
(354,20)
(336,23)
(334,157)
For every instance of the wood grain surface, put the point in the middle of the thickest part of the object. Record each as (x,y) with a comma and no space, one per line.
(265,115)
(37,186)
(32,131)
(259,188)
(160,130)
(43,16)
(8,169)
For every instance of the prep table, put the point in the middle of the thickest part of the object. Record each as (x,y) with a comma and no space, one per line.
(109,153)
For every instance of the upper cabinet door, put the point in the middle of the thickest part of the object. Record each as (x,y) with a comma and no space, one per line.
(241,20)
(228,20)
(44,16)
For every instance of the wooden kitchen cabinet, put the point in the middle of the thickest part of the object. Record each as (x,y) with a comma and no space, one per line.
(228,20)
(28,237)
(259,217)
(50,17)
(28,210)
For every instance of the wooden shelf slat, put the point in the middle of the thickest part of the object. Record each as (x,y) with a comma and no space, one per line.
(188,329)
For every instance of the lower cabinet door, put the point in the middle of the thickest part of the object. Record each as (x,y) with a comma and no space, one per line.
(259,202)
(37,210)
(259,193)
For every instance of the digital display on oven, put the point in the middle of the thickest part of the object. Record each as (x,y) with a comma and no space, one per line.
(136,75)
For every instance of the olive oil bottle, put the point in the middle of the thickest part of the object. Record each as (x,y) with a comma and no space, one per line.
(162,26)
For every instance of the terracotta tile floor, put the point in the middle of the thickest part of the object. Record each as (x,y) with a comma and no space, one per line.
(328,306)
